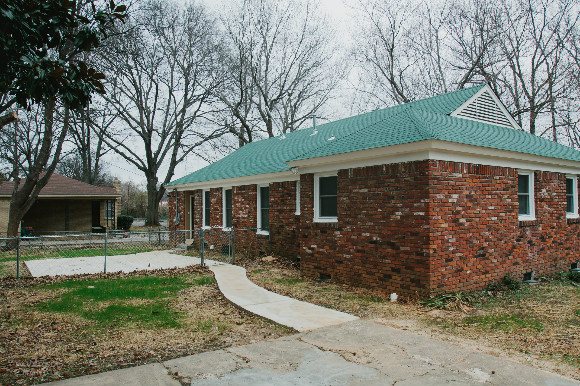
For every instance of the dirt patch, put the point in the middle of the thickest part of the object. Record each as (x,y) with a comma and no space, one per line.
(38,347)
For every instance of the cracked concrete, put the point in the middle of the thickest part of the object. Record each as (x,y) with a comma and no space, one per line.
(361,352)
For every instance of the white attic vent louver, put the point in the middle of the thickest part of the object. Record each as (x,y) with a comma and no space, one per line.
(485,107)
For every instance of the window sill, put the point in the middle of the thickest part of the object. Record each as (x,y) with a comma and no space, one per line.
(261,232)
(327,219)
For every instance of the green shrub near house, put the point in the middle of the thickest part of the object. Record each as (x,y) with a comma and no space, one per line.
(124,222)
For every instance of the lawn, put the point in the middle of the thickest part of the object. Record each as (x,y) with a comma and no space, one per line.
(537,324)
(55,328)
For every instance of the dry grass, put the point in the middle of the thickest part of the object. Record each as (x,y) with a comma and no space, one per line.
(40,346)
(537,324)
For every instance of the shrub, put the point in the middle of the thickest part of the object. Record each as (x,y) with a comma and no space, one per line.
(507,283)
(124,222)
(574,276)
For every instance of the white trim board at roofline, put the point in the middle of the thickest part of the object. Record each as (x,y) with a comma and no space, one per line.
(409,152)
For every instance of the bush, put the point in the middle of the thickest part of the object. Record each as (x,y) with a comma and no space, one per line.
(124,222)
(507,283)
(574,276)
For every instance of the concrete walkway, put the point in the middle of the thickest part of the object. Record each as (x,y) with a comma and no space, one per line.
(361,352)
(301,316)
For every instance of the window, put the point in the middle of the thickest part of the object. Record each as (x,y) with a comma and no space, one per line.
(297,197)
(526,196)
(571,196)
(263,209)
(206,208)
(326,198)
(109,209)
(227,208)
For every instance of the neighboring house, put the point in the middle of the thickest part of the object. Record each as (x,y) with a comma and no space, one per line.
(438,195)
(65,205)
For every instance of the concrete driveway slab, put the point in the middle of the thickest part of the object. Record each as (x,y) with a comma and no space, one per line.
(154,374)
(95,264)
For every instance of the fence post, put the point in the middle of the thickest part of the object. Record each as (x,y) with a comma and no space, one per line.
(17,257)
(201,242)
(106,236)
(233,245)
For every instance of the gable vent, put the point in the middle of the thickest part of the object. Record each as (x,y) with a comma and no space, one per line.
(485,109)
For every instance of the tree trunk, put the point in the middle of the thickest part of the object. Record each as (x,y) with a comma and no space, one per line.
(153,199)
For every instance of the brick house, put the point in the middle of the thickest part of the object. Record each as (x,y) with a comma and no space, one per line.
(438,195)
(64,205)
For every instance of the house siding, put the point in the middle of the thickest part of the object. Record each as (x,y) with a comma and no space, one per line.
(476,237)
(414,228)
(382,231)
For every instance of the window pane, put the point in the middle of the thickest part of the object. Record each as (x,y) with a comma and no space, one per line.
(569,204)
(328,207)
(524,201)
(207,207)
(569,186)
(523,184)
(328,186)
(265,219)
(228,211)
(264,197)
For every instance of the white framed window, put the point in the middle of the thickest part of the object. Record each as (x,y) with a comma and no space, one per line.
(227,207)
(571,196)
(263,206)
(297,198)
(326,197)
(526,198)
(109,209)
(206,198)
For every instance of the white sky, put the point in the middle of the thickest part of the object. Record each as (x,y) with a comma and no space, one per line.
(340,16)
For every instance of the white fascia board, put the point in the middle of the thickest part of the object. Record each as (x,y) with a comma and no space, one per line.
(258,179)
(497,101)
(437,150)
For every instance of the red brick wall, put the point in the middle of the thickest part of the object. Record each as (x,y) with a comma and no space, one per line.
(180,207)
(284,222)
(382,232)
(476,236)
(412,228)
(244,217)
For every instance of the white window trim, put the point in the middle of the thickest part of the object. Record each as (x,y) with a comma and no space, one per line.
(532,215)
(260,231)
(574,179)
(203,226)
(317,217)
(224,207)
(297,198)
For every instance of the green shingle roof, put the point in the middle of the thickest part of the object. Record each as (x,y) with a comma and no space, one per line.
(412,122)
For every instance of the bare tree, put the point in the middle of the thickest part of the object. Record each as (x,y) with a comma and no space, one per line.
(84,161)
(413,50)
(533,43)
(32,147)
(279,67)
(163,73)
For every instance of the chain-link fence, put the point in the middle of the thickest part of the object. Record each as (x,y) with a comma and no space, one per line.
(216,244)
